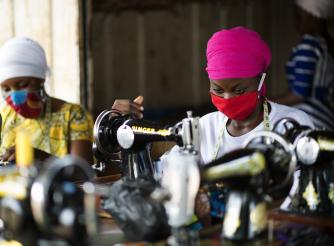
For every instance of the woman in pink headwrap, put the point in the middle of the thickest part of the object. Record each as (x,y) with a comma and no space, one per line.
(237,59)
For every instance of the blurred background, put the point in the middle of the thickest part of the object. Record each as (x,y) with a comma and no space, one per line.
(100,50)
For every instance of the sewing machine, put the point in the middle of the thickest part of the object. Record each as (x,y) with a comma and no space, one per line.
(313,188)
(253,176)
(41,204)
(131,137)
(180,179)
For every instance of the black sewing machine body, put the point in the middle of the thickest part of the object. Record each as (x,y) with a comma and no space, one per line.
(313,189)
(131,137)
(253,175)
(180,180)
(43,204)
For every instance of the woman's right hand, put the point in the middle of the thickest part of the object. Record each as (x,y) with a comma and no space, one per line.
(125,106)
(9,155)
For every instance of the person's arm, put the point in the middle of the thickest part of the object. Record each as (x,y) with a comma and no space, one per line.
(301,69)
(82,148)
(290,99)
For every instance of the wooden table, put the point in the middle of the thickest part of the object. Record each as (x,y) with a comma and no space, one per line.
(321,222)
(110,234)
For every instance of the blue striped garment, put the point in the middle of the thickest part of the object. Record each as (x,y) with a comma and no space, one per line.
(310,72)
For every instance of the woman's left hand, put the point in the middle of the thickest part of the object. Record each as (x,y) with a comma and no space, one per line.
(125,106)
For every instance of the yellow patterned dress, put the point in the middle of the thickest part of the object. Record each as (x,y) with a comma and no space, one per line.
(51,133)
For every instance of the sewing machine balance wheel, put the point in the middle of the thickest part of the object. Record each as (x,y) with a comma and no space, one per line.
(58,204)
(102,133)
(282,148)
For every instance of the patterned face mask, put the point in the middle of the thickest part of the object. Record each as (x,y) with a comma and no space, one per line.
(29,104)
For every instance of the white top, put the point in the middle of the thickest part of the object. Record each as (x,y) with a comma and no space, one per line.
(212,123)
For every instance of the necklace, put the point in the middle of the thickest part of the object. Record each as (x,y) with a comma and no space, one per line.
(221,132)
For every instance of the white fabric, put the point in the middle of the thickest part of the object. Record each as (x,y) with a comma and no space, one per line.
(22,57)
(212,123)
(318,8)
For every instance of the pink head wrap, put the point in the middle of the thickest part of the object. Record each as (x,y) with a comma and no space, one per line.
(236,53)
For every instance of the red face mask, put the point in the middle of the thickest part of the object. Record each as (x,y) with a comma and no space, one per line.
(236,108)
(239,107)
(29,105)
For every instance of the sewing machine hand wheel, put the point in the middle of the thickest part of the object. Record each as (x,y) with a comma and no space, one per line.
(285,125)
(281,161)
(58,205)
(291,130)
(104,131)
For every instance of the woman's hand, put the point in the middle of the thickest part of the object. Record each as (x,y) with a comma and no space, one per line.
(125,106)
(9,155)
